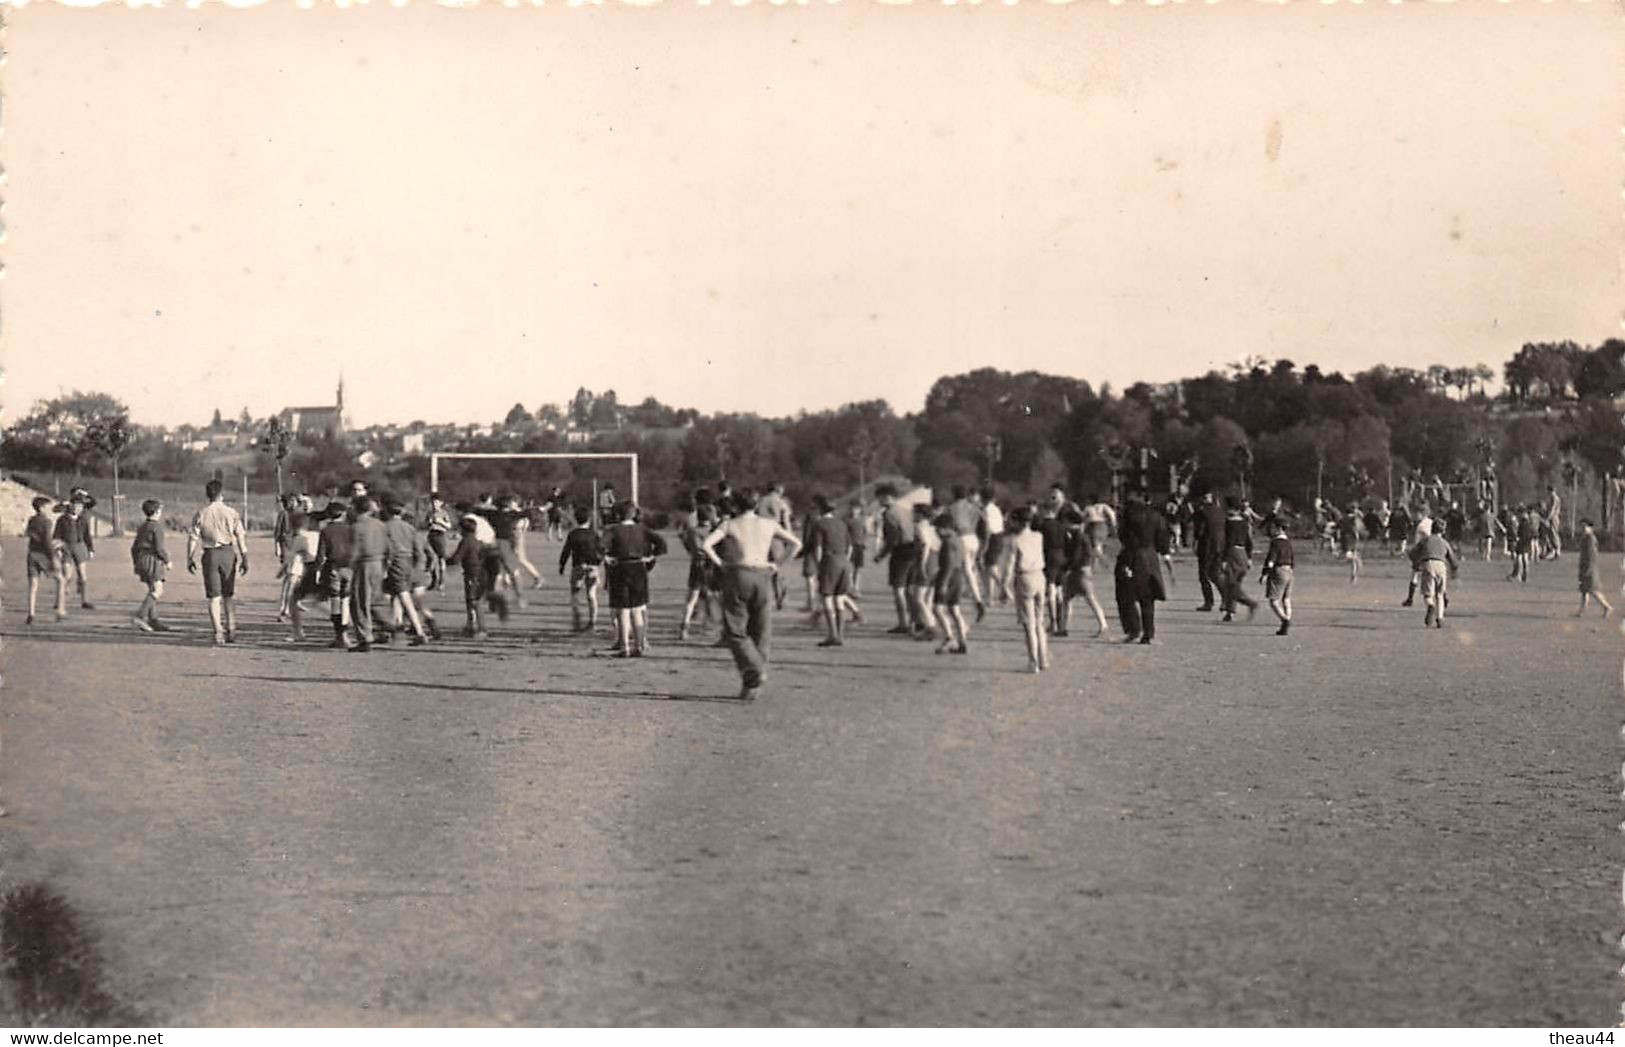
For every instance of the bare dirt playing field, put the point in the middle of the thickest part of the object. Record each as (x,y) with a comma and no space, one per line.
(1366,822)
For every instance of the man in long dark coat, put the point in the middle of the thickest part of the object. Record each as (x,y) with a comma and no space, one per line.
(1146,549)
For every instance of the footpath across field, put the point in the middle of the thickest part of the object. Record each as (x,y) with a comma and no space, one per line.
(1363,823)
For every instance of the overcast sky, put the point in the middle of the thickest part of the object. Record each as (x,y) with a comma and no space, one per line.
(779,209)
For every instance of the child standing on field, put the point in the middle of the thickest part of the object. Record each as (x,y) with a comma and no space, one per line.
(1589,587)
(1348,534)
(44,559)
(76,546)
(151,561)
(630,549)
(1277,577)
(949,584)
(583,550)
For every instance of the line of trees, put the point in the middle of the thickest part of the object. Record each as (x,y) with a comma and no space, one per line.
(1269,424)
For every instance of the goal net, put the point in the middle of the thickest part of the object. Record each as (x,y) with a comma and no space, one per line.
(593,480)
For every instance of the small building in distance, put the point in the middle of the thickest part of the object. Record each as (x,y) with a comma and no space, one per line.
(319,421)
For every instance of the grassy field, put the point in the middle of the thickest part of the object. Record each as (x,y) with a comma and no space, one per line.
(1366,822)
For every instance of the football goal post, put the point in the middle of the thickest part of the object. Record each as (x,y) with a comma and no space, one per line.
(629,458)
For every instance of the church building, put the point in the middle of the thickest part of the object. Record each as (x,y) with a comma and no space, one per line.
(317,420)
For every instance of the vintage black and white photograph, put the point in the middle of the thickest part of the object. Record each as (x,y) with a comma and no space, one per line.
(755,514)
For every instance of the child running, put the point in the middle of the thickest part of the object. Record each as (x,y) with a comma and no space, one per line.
(303,547)
(401,567)
(699,523)
(151,562)
(923,581)
(585,552)
(1277,576)
(1435,561)
(1589,585)
(521,531)
(1080,581)
(480,564)
(44,559)
(423,563)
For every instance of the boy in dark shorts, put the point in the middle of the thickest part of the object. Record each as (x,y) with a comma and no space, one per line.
(585,552)
(44,559)
(829,550)
(1590,588)
(1079,581)
(630,549)
(333,569)
(151,562)
(1277,576)
(900,548)
(77,546)
(1057,529)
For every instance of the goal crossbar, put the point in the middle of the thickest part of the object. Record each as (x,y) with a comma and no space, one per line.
(557,456)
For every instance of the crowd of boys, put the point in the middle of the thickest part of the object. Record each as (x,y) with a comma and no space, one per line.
(370,563)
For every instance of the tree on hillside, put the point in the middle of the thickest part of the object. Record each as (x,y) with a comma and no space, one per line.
(1543,371)
(1601,372)
(606,411)
(581,405)
(65,423)
(517,417)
